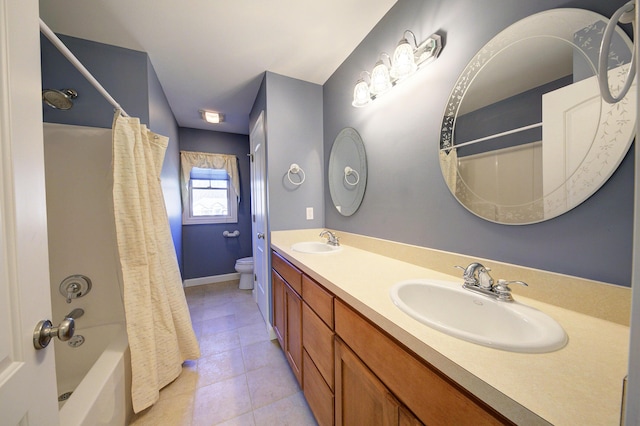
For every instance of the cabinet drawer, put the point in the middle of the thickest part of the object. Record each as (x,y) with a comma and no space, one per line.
(435,399)
(317,339)
(317,393)
(319,299)
(290,273)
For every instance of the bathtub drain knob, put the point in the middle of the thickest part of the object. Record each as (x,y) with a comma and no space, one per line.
(44,331)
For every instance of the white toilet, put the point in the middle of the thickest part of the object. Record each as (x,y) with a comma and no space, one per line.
(245,267)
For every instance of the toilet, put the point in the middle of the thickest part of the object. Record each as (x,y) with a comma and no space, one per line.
(245,267)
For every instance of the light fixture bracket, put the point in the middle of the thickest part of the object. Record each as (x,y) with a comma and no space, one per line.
(428,50)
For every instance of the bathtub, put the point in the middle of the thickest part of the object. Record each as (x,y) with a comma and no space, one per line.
(97,374)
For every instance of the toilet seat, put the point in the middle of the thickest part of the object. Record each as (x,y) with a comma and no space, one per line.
(245,261)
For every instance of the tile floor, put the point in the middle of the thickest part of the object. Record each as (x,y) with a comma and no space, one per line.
(241,378)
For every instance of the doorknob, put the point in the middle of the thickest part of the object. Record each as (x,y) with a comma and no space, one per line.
(44,331)
(260,236)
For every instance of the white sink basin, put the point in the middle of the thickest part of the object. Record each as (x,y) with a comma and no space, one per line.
(315,247)
(510,326)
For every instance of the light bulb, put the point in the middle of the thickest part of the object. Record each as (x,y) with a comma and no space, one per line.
(404,63)
(361,94)
(380,79)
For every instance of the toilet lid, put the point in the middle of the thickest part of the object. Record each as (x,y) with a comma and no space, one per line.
(245,260)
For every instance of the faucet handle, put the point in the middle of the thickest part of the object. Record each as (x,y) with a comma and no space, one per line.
(503,291)
(484,279)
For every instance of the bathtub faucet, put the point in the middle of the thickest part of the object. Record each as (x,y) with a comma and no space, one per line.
(75,314)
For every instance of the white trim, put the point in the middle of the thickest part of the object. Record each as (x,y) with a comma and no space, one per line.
(214,279)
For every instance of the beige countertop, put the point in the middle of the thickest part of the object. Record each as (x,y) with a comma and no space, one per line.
(580,384)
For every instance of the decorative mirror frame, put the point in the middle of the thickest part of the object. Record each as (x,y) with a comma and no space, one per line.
(347,176)
(612,140)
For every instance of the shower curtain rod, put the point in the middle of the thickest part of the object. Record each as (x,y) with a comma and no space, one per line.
(44,29)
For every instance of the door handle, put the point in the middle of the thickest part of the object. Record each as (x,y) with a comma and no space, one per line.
(44,331)
(260,236)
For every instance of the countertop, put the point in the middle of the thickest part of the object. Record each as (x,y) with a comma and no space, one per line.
(580,384)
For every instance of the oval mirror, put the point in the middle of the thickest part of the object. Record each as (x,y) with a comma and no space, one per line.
(347,171)
(526,135)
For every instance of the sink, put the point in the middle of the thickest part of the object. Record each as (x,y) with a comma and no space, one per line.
(447,307)
(315,247)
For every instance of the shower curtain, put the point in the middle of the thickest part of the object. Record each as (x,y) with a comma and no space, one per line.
(161,335)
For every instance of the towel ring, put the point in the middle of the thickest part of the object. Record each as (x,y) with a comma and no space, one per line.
(624,15)
(348,171)
(294,169)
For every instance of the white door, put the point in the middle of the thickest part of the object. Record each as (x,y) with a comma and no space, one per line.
(27,377)
(576,150)
(259,219)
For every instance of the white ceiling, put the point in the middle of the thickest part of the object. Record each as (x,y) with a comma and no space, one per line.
(210,54)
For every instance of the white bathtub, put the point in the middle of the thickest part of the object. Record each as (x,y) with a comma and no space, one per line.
(97,372)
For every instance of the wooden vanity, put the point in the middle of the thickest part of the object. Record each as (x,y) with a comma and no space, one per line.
(352,372)
(360,360)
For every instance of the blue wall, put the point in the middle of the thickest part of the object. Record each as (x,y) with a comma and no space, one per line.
(205,251)
(162,121)
(294,135)
(122,72)
(407,199)
(130,79)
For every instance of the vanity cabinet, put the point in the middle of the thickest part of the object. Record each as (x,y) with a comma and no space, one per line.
(351,372)
(361,398)
(303,324)
(428,394)
(287,311)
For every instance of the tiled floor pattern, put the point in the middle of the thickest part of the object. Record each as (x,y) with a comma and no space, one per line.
(242,377)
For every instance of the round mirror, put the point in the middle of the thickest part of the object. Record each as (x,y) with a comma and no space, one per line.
(526,135)
(347,171)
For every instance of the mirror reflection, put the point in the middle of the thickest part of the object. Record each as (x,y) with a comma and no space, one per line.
(526,135)
(347,171)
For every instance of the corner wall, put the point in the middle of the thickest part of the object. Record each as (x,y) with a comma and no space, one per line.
(294,135)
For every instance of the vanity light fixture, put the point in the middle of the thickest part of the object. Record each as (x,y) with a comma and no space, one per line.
(407,59)
(212,117)
(362,93)
(380,76)
(404,62)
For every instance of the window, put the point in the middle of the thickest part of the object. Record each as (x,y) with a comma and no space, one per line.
(212,198)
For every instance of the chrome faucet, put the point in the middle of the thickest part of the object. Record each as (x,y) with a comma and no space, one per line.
(477,279)
(332,239)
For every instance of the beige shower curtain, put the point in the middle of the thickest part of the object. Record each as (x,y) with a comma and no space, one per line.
(161,335)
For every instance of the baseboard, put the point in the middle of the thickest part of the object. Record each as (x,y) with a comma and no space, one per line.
(192,282)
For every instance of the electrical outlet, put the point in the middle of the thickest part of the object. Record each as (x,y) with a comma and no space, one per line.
(309,213)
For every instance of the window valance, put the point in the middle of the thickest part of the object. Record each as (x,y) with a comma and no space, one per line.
(206,160)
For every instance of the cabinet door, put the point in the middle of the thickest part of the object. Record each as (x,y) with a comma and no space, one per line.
(278,287)
(293,338)
(407,418)
(360,398)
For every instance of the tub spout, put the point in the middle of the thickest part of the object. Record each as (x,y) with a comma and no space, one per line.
(75,314)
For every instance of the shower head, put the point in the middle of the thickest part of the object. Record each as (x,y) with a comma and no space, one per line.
(59,99)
